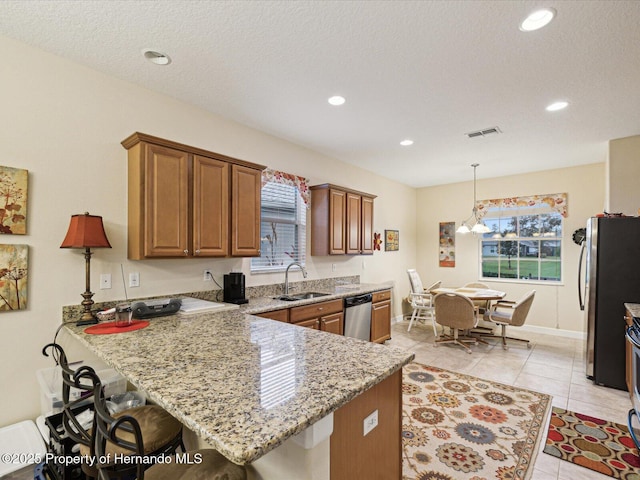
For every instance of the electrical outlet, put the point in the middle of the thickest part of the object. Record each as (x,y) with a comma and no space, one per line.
(364,264)
(370,423)
(333,267)
(134,279)
(105,281)
(207,275)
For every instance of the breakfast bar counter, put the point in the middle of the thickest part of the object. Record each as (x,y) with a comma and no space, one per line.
(242,383)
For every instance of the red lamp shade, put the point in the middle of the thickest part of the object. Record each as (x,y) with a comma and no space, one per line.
(85,231)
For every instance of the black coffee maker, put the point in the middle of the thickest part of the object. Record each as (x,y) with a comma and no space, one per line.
(234,288)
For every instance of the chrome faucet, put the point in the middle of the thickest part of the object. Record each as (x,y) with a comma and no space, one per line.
(286,275)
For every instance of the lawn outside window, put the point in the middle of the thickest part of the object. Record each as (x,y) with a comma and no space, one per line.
(524,244)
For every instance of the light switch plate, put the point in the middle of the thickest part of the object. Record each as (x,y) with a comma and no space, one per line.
(370,423)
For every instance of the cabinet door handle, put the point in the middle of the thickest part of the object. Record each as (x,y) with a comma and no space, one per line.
(186,252)
(320,309)
(198,251)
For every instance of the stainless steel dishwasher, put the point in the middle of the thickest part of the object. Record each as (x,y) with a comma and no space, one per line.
(357,316)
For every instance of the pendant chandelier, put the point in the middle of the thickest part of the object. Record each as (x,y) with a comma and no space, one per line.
(473,224)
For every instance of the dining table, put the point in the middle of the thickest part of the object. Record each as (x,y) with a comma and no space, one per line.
(475,294)
(472,293)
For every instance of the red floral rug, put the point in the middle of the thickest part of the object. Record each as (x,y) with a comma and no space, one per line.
(459,427)
(599,445)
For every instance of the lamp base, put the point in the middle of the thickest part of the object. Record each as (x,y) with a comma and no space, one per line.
(81,323)
(87,319)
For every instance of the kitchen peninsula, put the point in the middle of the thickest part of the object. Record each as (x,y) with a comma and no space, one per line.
(248,386)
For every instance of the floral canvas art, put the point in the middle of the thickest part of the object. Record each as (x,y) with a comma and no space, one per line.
(13,277)
(13,200)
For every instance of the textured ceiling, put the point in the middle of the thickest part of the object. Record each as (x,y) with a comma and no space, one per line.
(427,70)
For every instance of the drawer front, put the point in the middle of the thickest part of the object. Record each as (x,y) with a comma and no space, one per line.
(381,296)
(297,314)
(280,315)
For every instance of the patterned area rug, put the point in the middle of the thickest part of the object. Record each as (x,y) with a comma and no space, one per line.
(458,427)
(599,445)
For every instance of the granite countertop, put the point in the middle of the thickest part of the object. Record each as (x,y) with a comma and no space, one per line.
(243,383)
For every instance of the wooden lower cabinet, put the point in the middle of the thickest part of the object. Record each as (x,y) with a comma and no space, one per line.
(327,316)
(311,323)
(333,323)
(381,316)
(379,453)
(279,315)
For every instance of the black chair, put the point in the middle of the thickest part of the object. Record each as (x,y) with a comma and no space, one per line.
(121,435)
(161,432)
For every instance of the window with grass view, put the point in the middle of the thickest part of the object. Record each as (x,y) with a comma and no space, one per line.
(282,228)
(525,244)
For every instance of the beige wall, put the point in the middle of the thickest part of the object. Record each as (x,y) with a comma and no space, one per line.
(555,307)
(623,171)
(64,123)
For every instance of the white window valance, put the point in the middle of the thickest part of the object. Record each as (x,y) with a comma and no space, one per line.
(555,202)
(301,183)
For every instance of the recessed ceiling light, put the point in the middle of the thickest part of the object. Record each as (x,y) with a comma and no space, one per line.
(537,19)
(156,57)
(554,107)
(406,143)
(336,100)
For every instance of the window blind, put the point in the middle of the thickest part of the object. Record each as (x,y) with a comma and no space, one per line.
(282,228)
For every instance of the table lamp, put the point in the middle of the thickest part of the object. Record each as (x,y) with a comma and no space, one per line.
(86,231)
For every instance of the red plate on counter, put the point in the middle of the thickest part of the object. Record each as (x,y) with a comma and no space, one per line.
(110,327)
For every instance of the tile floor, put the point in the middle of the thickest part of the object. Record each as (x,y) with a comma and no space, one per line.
(553,365)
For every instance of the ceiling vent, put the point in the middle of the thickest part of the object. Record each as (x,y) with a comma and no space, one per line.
(484,132)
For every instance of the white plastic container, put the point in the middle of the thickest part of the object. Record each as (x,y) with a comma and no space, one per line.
(24,444)
(50,380)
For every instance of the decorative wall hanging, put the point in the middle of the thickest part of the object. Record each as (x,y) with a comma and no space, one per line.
(377,241)
(391,240)
(447,244)
(13,277)
(13,200)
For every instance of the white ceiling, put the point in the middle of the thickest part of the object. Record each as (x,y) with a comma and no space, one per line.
(426,70)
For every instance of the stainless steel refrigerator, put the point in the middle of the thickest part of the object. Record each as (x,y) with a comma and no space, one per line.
(612,278)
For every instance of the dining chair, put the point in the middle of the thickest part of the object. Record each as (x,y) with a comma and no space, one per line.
(161,432)
(508,313)
(421,301)
(457,312)
(483,305)
(121,435)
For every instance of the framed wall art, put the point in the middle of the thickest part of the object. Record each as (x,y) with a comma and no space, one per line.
(13,277)
(447,244)
(391,240)
(13,200)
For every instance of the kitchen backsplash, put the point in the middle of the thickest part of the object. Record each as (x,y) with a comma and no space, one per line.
(71,313)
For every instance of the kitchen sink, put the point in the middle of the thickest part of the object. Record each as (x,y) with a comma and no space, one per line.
(300,296)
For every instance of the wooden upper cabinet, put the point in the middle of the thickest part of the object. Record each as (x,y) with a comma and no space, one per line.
(354,226)
(367,226)
(341,221)
(188,202)
(166,196)
(210,207)
(337,222)
(246,185)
